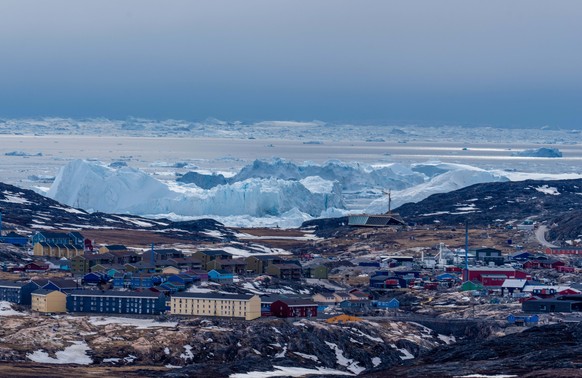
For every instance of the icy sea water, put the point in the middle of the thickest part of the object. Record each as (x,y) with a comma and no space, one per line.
(41,157)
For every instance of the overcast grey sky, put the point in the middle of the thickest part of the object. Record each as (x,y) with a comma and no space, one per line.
(471,62)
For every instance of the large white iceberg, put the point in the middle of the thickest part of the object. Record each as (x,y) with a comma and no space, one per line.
(95,187)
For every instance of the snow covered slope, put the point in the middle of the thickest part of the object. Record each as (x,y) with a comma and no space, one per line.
(455,176)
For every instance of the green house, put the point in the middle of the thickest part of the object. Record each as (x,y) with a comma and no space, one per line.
(470,286)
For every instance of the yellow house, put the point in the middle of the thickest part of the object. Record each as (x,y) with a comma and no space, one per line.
(56,250)
(171,270)
(240,306)
(48,301)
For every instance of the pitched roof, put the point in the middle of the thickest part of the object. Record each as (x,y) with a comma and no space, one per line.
(6,283)
(44,292)
(297,302)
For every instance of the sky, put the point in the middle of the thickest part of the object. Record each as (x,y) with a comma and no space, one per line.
(497,62)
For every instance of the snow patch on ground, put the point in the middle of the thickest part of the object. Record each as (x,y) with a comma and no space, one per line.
(548,190)
(307,356)
(73,354)
(6,310)
(130,322)
(350,364)
(286,371)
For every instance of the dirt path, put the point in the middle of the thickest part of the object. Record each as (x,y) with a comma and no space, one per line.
(541,237)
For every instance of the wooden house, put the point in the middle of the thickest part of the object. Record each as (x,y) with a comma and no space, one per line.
(36,266)
(220,276)
(82,264)
(284,271)
(258,263)
(166,254)
(324,298)
(116,302)
(61,284)
(292,308)
(48,301)
(240,306)
(62,238)
(113,248)
(236,266)
(355,307)
(56,250)
(385,303)
(185,263)
(318,271)
(170,270)
(14,238)
(140,267)
(209,255)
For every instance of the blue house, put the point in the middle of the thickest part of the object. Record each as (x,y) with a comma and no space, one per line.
(60,284)
(386,304)
(182,279)
(220,276)
(14,238)
(121,280)
(94,278)
(16,292)
(354,305)
(64,238)
(116,302)
(142,281)
(168,286)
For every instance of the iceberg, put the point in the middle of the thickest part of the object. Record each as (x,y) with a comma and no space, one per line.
(543,152)
(95,187)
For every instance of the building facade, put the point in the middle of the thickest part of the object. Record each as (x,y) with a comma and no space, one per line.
(116,302)
(48,301)
(240,306)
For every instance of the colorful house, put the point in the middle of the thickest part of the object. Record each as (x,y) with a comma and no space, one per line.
(220,276)
(292,308)
(392,304)
(258,263)
(284,271)
(48,301)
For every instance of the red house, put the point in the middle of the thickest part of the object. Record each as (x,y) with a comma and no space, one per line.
(292,308)
(475,273)
(493,280)
(566,269)
(36,266)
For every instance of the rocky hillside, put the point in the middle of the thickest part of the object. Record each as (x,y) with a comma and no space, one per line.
(545,351)
(554,202)
(215,348)
(26,210)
